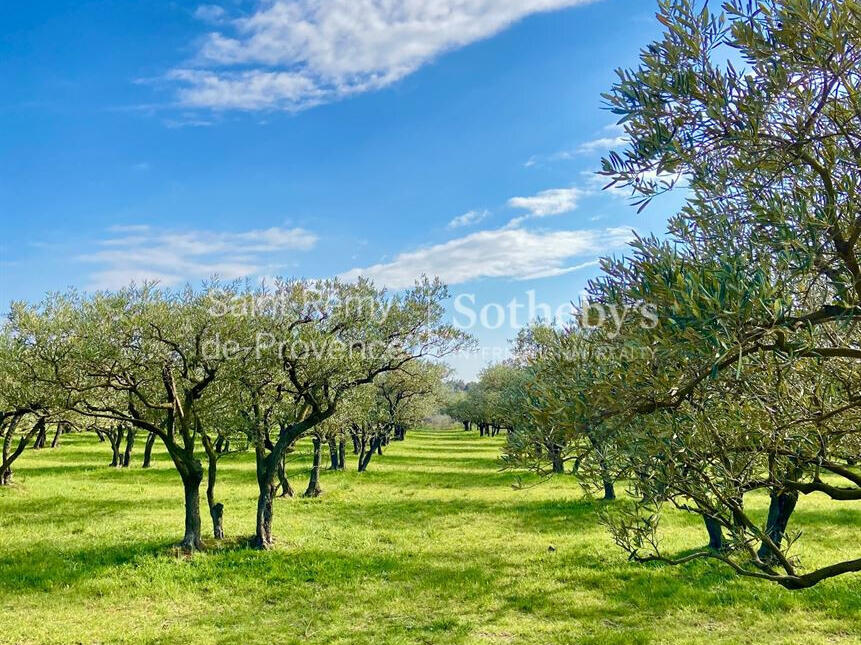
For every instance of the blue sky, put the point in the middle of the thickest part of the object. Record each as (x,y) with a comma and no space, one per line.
(173,140)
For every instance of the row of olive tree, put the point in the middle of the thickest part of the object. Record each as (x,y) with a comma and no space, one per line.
(747,382)
(195,368)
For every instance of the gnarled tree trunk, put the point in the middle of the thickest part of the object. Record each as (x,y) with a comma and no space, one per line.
(115,437)
(606,477)
(263,539)
(216,510)
(780,509)
(313,489)
(150,441)
(609,488)
(716,542)
(191,541)
(556,460)
(130,443)
(267,471)
(41,437)
(342,454)
(283,482)
(9,455)
(191,472)
(333,453)
(365,458)
(56,440)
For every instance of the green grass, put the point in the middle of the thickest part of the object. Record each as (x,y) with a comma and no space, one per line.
(432,545)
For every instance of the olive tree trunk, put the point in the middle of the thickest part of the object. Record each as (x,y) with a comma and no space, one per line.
(283,482)
(56,441)
(130,443)
(216,509)
(556,459)
(192,541)
(342,454)
(713,527)
(115,437)
(365,458)
(9,455)
(41,437)
(313,489)
(333,453)
(150,442)
(191,473)
(780,509)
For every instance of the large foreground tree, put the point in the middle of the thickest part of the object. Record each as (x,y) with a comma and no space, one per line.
(750,381)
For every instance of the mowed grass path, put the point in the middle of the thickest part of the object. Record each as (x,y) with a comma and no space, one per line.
(431,545)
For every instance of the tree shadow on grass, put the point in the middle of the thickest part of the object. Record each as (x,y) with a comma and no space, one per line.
(66,510)
(46,570)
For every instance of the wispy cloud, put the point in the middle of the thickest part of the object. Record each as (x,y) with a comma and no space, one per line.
(468,219)
(210,13)
(556,201)
(540,160)
(502,253)
(603,145)
(611,137)
(140,253)
(292,55)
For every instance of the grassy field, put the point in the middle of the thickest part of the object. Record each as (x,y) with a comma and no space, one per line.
(432,545)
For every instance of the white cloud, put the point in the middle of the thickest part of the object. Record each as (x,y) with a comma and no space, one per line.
(548,202)
(468,218)
(140,253)
(502,253)
(295,54)
(603,145)
(247,90)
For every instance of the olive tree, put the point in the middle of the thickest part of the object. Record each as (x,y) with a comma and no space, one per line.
(551,405)
(398,400)
(324,339)
(29,356)
(138,359)
(750,379)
